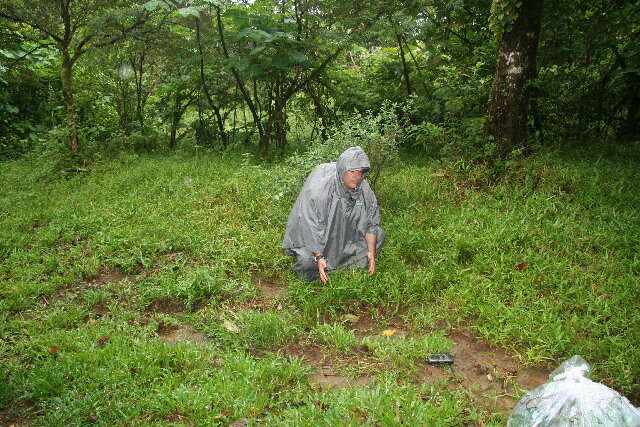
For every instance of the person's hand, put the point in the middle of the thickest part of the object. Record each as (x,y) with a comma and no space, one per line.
(372,262)
(322,265)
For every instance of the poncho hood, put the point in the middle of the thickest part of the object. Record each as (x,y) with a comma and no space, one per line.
(352,158)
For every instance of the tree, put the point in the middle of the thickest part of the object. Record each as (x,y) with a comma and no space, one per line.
(75,27)
(518,24)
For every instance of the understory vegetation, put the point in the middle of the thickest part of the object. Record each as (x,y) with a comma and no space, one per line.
(152,290)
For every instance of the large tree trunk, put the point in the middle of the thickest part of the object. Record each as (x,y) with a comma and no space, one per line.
(67,92)
(509,103)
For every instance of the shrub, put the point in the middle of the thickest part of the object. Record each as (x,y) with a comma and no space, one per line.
(379,135)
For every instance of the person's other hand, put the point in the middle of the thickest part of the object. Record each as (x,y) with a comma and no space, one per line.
(372,262)
(322,265)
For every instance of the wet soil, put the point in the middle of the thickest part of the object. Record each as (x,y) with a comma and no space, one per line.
(166,306)
(92,282)
(327,375)
(492,374)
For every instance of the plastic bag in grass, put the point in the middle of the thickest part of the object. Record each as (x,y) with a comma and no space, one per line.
(572,399)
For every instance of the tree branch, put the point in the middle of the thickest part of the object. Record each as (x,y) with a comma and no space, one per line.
(20,20)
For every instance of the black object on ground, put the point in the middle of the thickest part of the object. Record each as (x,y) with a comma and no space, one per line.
(440,359)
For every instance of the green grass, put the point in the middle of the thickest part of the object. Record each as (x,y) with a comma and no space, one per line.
(545,263)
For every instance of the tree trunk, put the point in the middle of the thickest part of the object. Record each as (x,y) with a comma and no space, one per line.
(630,129)
(123,107)
(405,69)
(516,65)
(67,92)
(321,112)
(203,83)
(264,137)
(140,101)
(175,121)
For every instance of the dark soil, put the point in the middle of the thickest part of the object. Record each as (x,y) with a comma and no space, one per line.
(167,306)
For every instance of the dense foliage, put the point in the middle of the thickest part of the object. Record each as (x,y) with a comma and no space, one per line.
(277,75)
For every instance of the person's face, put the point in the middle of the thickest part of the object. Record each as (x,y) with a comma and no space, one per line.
(352,179)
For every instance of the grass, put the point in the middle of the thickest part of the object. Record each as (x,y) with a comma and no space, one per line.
(95,266)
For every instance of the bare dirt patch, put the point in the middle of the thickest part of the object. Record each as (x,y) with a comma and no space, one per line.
(173,333)
(364,324)
(108,277)
(269,288)
(492,374)
(166,306)
(74,290)
(21,415)
(326,373)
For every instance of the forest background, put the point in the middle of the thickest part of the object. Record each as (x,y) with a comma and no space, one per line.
(500,132)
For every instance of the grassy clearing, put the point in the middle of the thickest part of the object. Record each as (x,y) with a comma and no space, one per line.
(130,294)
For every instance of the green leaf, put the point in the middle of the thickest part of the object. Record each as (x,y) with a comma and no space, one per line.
(259,35)
(257,50)
(189,11)
(8,54)
(152,5)
(297,56)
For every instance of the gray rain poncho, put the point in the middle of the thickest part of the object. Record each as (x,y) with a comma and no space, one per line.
(331,219)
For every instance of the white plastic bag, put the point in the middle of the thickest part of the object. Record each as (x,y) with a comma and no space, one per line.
(571,399)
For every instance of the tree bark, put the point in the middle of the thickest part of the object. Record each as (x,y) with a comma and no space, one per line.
(140,99)
(66,78)
(516,65)
(405,69)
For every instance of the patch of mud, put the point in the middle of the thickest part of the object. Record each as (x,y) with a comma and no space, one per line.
(100,310)
(492,374)
(269,288)
(326,375)
(326,378)
(173,333)
(75,289)
(109,277)
(21,415)
(166,306)
(364,324)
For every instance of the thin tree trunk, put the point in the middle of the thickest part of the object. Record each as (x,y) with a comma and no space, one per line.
(124,108)
(67,92)
(405,69)
(205,88)
(630,129)
(139,69)
(175,121)
(321,112)
(239,81)
(516,65)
